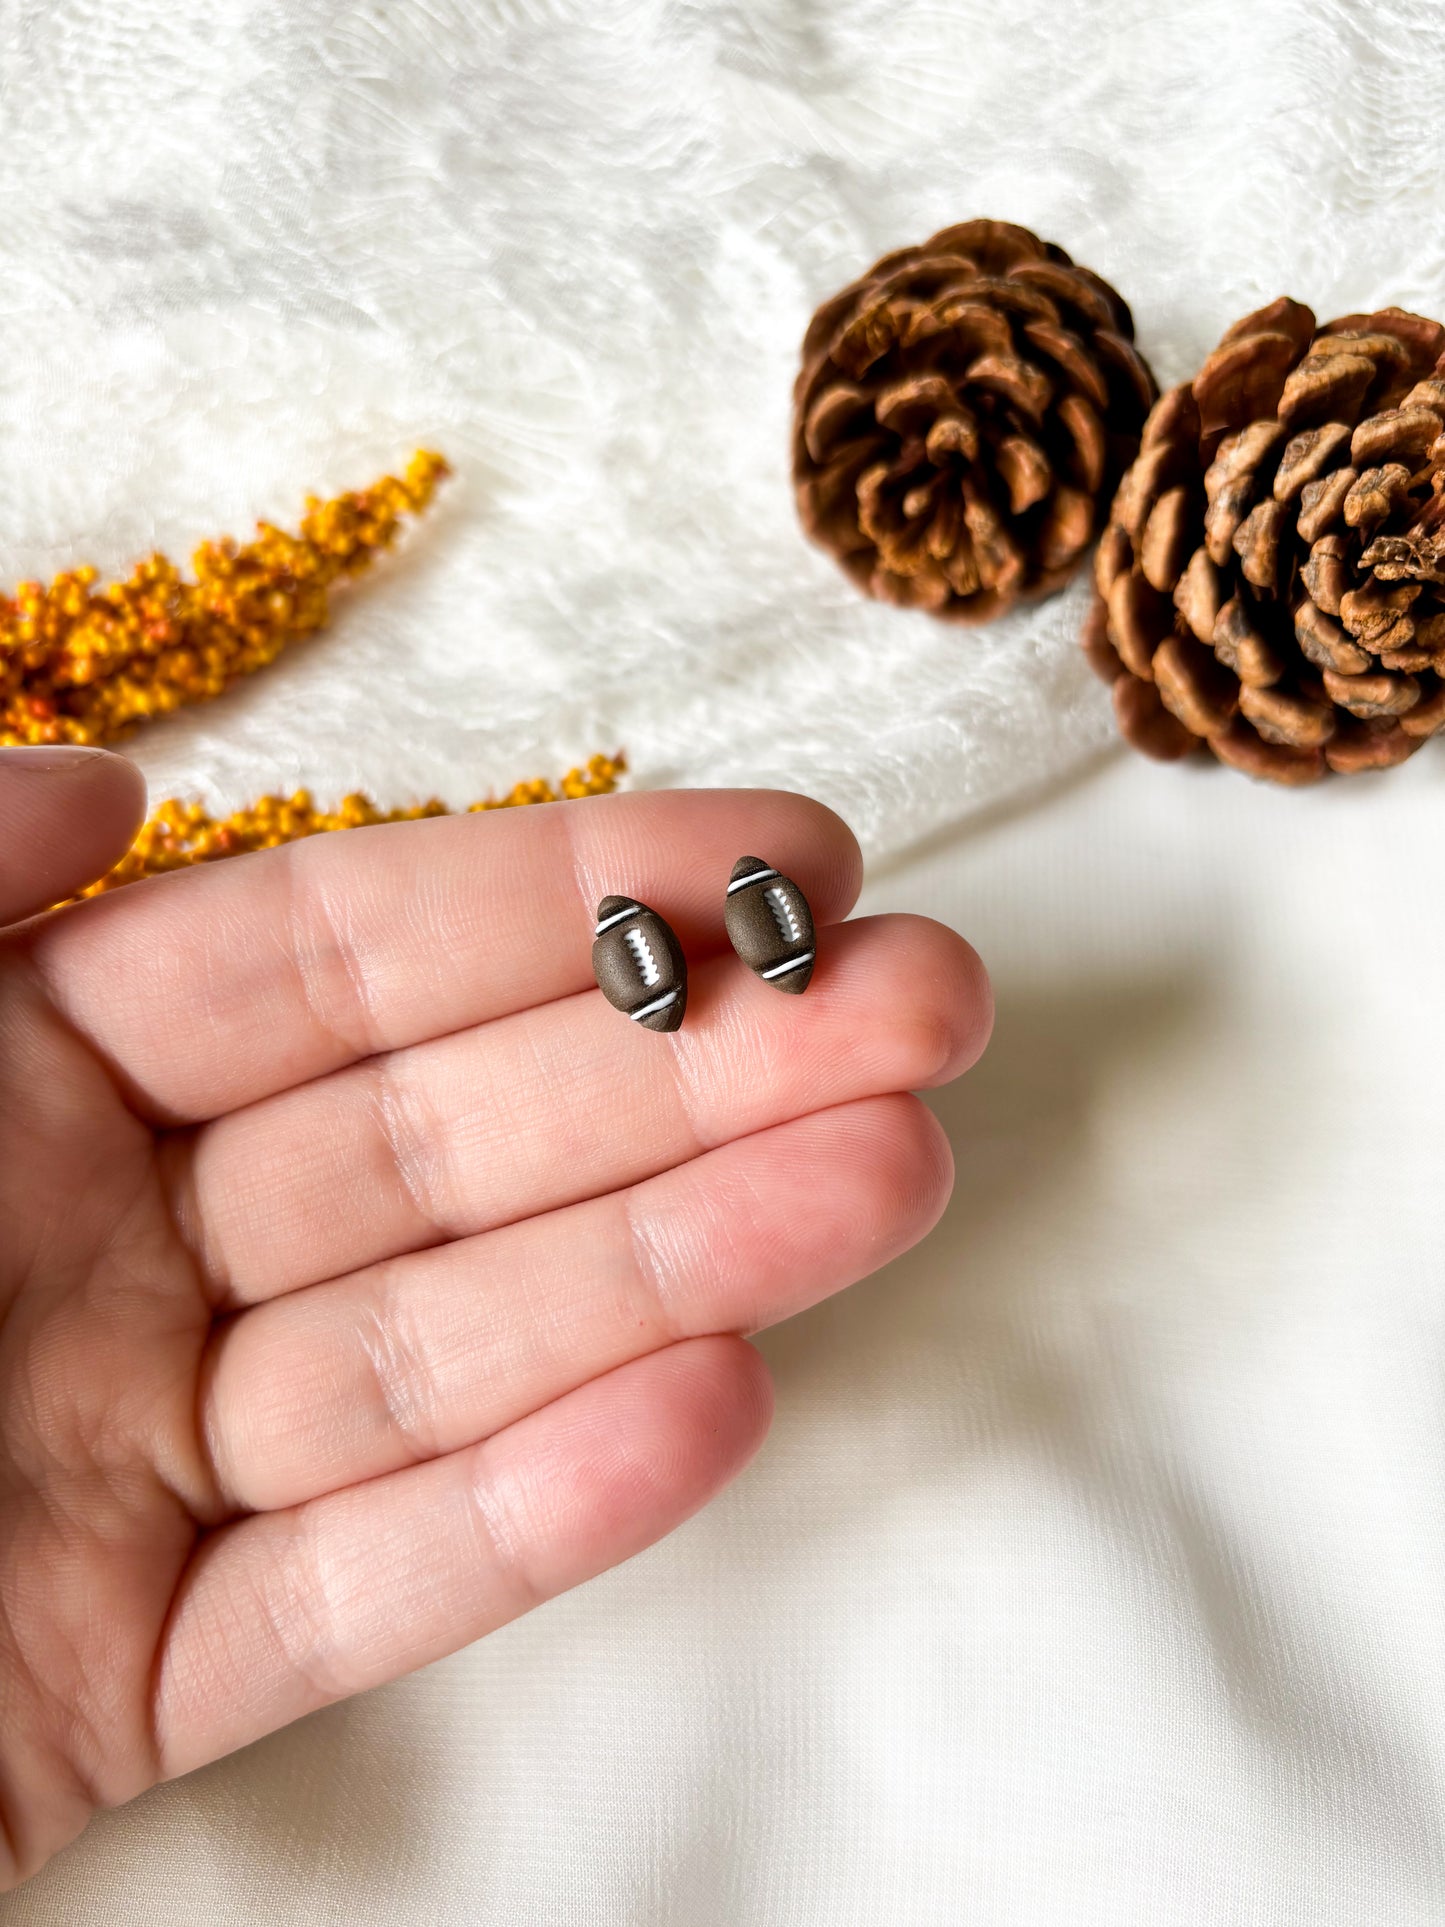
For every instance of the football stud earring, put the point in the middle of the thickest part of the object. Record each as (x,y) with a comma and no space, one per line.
(638,964)
(770,925)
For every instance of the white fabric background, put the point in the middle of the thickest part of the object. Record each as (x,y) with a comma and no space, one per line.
(252,246)
(1094,1570)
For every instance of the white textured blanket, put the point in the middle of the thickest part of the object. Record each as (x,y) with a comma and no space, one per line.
(263,245)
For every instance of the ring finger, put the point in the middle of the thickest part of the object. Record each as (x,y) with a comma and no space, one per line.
(415,1358)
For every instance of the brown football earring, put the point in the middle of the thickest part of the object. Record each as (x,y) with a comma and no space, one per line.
(770,925)
(638,964)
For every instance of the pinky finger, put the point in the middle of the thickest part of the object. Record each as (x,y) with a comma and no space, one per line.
(287,1611)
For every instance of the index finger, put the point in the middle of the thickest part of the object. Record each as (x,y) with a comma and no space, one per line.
(214,987)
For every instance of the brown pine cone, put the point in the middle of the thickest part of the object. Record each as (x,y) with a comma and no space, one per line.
(962,416)
(1272,579)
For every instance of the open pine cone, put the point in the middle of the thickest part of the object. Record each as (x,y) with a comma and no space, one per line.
(1272,580)
(962,416)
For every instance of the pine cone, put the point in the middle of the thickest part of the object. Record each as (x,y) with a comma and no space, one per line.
(1272,580)
(962,416)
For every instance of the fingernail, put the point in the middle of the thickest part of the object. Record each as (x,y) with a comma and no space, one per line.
(48,759)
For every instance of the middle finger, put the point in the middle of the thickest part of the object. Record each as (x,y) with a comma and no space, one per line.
(414,1359)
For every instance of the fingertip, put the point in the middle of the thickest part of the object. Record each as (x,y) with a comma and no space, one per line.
(124,784)
(891,1171)
(68,813)
(716,1393)
(111,785)
(616,1465)
(978,1005)
(962,1003)
(935,989)
(918,1160)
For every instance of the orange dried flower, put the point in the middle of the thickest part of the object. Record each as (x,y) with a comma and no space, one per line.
(80,665)
(179,833)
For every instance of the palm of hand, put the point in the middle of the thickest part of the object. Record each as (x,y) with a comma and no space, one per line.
(364,1281)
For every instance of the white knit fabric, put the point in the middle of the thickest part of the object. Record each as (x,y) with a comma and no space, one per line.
(261,245)
(1094,1571)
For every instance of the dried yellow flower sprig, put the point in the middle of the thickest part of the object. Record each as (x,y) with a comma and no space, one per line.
(80,665)
(179,834)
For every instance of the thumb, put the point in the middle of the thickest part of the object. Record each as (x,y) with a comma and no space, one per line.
(66,815)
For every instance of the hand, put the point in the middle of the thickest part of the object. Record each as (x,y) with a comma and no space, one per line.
(364,1278)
